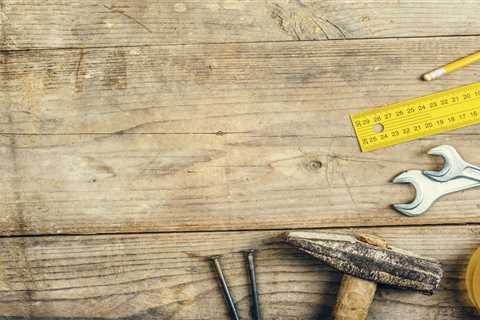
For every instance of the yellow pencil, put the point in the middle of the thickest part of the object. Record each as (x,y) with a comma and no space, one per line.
(437,73)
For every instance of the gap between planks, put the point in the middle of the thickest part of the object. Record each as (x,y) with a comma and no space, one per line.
(473,35)
(226,231)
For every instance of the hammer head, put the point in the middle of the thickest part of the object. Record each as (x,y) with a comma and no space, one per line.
(386,265)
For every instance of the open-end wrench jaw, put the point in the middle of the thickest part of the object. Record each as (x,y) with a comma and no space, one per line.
(453,166)
(428,191)
(421,202)
(456,175)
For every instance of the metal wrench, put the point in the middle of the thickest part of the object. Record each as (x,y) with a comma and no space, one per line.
(454,167)
(428,191)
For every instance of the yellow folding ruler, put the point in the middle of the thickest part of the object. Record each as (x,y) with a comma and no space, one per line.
(416,118)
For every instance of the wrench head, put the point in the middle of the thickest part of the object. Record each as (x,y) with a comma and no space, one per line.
(453,164)
(426,193)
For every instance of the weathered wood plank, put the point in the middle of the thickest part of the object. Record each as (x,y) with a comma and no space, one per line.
(167,276)
(153,139)
(258,89)
(90,23)
(133,183)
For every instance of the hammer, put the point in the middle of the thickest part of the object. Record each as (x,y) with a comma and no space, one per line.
(365,261)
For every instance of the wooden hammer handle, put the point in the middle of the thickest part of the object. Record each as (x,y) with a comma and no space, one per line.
(356,295)
(354,298)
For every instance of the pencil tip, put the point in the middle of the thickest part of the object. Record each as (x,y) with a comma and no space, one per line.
(427,77)
(435,74)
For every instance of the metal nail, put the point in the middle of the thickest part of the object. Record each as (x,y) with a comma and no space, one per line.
(226,292)
(253,284)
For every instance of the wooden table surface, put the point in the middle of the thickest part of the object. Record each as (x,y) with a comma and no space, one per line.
(139,137)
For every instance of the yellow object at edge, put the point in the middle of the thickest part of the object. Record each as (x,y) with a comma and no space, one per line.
(472,279)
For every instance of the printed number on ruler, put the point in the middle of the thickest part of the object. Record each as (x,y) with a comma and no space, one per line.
(416,118)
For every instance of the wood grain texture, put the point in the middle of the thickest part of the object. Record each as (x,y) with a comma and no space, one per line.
(168,277)
(137,183)
(163,116)
(215,137)
(271,89)
(93,23)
